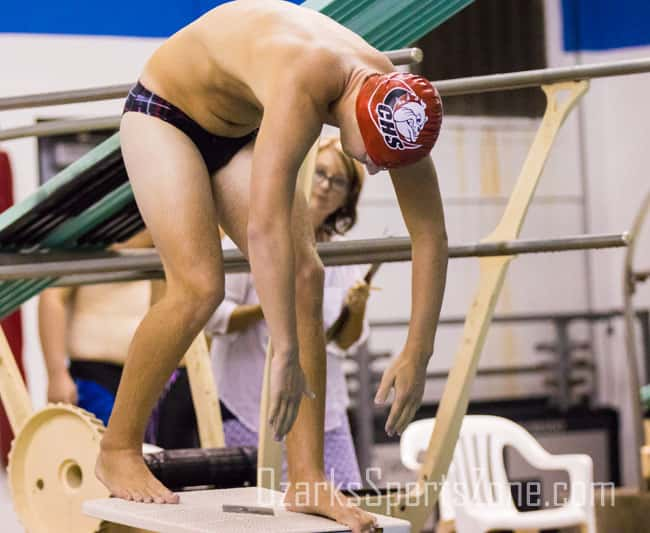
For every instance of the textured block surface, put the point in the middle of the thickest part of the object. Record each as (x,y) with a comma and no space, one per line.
(201,512)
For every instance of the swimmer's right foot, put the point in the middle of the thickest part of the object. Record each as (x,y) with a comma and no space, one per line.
(126,476)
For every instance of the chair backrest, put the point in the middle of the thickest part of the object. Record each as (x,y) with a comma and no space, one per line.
(477,472)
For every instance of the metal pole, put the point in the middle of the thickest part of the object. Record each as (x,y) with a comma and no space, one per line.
(534,78)
(93,94)
(75,280)
(519,318)
(563,368)
(394,249)
(404,56)
(644,322)
(61,127)
(496,82)
(499,371)
(365,410)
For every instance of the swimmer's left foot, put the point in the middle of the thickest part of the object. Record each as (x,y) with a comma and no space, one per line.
(321,498)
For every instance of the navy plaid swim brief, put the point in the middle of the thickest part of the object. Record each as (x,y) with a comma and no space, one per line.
(217,151)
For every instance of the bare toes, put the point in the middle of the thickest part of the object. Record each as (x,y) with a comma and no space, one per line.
(157,493)
(170,497)
(122,494)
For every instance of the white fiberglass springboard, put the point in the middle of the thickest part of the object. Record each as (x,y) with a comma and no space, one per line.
(201,512)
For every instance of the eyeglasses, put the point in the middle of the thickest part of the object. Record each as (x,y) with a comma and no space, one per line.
(337,183)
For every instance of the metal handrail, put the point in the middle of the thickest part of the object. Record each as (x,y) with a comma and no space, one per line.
(147,263)
(61,127)
(534,78)
(404,56)
(453,87)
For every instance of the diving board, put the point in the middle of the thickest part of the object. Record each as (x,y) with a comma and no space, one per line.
(202,512)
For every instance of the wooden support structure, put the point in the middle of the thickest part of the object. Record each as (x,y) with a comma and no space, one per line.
(13,392)
(269,451)
(645,465)
(205,395)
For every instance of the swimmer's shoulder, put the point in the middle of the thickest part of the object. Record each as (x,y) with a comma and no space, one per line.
(318,70)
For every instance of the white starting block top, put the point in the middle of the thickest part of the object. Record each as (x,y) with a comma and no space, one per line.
(202,512)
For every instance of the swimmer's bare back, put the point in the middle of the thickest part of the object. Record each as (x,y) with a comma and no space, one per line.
(219,68)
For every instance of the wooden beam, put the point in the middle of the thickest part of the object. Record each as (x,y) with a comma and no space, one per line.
(13,391)
(205,394)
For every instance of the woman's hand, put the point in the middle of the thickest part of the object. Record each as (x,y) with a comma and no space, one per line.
(357,296)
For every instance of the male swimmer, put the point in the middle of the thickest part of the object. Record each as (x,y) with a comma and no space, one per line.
(244,91)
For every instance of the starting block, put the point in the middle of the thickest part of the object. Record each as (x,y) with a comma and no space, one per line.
(255,509)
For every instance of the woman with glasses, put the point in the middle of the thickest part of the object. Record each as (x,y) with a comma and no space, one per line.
(240,334)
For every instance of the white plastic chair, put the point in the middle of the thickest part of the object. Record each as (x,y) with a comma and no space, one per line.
(476,493)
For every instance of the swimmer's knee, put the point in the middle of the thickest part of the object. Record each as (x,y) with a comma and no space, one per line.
(200,289)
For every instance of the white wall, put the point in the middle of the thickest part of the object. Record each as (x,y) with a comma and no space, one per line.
(615,117)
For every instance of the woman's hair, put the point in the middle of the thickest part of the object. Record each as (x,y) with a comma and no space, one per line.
(342,220)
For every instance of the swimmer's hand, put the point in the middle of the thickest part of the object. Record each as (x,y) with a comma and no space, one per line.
(288,385)
(406,375)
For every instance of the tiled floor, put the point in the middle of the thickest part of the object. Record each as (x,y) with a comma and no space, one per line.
(8,518)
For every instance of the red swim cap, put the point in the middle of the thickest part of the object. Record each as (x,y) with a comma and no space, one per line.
(399,116)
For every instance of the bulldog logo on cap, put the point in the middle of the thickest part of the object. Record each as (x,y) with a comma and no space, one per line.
(399,117)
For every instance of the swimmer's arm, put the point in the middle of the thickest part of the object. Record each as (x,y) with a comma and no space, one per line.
(419,199)
(52,329)
(293,118)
